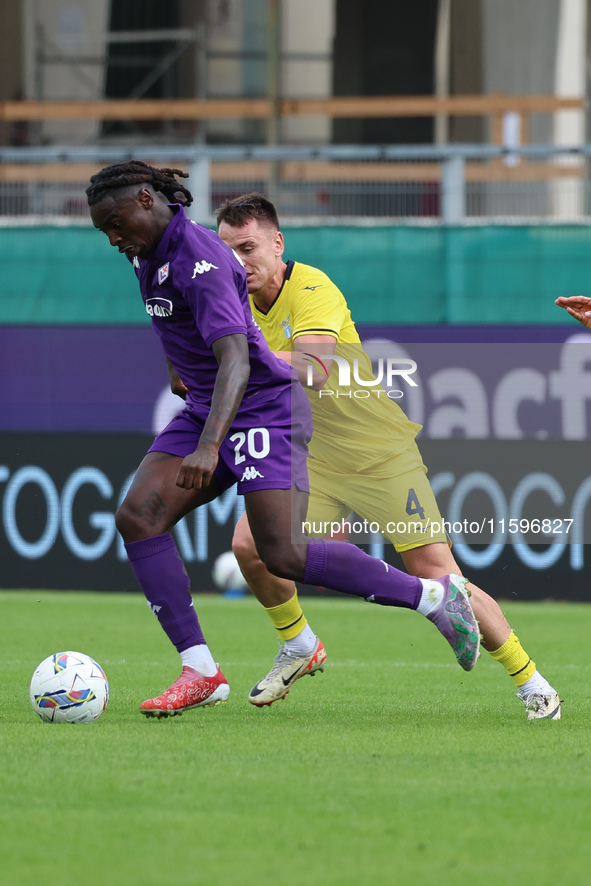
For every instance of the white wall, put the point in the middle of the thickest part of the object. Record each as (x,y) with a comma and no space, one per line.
(519,52)
(57,33)
(307,26)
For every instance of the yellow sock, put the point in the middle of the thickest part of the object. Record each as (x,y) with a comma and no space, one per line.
(288,618)
(514,658)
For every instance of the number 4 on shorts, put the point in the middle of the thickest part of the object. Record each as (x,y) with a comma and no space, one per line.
(413,505)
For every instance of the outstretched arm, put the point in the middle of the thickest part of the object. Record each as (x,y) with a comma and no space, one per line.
(231,352)
(578,306)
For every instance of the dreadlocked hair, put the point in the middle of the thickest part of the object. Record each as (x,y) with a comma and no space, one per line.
(135,172)
(239,211)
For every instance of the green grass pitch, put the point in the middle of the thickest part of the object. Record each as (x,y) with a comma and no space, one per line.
(394,766)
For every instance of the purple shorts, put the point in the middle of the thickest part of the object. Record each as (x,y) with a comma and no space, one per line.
(266,447)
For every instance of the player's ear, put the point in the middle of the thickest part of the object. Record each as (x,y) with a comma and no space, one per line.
(279,243)
(145,198)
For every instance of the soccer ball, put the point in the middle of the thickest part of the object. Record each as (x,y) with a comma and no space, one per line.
(69,687)
(226,574)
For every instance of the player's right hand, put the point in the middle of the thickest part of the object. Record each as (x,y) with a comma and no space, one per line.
(196,470)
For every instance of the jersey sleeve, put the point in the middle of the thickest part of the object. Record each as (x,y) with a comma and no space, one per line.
(211,293)
(318,307)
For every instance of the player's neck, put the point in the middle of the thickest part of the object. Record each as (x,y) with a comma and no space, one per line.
(265,297)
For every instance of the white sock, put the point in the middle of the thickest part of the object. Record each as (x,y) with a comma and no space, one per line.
(432,596)
(304,643)
(200,659)
(536,683)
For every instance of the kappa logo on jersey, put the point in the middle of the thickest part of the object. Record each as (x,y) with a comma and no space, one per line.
(286,326)
(251,473)
(159,307)
(136,262)
(202,267)
(163,273)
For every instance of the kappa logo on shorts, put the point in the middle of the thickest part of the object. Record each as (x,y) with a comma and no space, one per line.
(251,473)
(202,267)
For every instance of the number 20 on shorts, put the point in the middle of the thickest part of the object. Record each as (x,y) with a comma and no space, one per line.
(258,444)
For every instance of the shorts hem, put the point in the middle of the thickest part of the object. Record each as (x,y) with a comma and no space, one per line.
(270,484)
(400,549)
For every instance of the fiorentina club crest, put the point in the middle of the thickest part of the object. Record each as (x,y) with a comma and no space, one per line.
(163,273)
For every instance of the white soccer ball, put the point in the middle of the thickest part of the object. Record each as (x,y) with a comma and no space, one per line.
(226,573)
(69,687)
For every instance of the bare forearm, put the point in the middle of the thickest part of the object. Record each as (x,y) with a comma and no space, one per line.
(228,392)
(303,367)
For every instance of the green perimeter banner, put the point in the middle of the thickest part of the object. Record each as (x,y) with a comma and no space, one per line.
(517,511)
(403,274)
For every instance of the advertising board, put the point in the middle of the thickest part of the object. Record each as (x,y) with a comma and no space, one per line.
(505,429)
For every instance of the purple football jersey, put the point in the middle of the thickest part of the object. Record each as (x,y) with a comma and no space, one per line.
(194,289)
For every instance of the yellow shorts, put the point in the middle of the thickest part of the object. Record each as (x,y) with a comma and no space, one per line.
(395,494)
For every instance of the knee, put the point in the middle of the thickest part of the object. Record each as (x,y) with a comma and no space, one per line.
(244,549)
(430,561)
(129,523)
(243,546)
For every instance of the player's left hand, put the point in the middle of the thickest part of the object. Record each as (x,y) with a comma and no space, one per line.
(578,306)
(177,385)
(196,470)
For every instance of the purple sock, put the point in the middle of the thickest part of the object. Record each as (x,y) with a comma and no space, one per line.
(344,567)
(163,579)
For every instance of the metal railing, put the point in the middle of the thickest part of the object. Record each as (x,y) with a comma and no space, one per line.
(424,184)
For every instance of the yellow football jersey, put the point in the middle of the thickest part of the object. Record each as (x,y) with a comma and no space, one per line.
(356,425)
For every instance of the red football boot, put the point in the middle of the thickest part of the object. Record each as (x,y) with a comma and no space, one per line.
(191,690)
